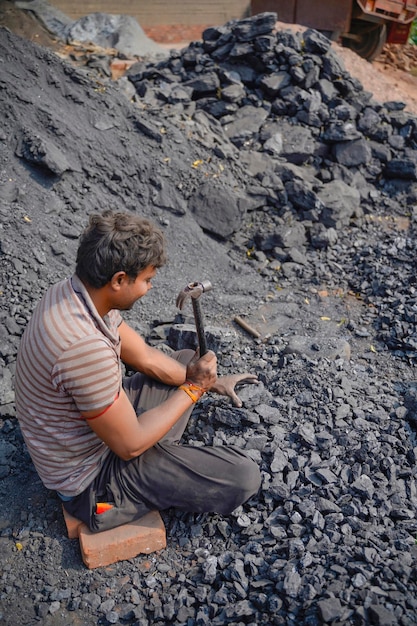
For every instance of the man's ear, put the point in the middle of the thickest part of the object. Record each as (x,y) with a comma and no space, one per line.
(118,279)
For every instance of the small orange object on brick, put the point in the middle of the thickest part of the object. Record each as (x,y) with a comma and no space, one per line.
(142,536)
(102,507)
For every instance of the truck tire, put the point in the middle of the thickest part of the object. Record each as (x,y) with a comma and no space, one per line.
(369,39)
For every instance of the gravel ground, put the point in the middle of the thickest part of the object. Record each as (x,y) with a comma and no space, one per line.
(302,215)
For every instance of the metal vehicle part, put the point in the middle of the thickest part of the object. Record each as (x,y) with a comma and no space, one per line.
(362,25)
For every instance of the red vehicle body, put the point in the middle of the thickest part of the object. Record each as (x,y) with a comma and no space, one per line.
(363,25)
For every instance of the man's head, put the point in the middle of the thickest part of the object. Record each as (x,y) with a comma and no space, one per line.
(118,242)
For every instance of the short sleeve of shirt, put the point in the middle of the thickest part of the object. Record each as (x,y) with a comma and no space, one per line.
(89,372)
(115,318)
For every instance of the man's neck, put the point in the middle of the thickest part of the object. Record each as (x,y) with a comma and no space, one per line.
(98,298)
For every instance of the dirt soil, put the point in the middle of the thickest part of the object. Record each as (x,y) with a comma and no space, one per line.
(385,77)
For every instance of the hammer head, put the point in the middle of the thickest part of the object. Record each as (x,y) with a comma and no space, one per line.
(193,290)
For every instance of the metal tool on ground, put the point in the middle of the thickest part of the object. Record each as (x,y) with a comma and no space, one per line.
(194,291)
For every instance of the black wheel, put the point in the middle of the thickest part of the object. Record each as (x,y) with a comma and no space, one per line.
(369,39)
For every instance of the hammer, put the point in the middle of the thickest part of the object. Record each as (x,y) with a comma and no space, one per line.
(194,291)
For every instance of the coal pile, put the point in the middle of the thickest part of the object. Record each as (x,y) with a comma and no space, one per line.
(279,179)
(319,150)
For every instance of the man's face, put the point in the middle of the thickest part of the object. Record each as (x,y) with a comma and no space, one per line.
(131,291)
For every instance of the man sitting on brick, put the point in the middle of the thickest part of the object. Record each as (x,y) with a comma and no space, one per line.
(110,445)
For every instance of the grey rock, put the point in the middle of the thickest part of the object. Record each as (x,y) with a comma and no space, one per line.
(219,210)
(340,203)
(401,168)
(204,85)
(209,568)
(43,153)
(251,28)
(298,144)
(341,131)
(381,616)
(330,609)
(246,124)
(330,347)
(273,83)
(364,486)
(353,153)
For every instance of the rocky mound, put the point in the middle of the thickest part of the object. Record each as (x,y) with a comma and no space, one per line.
(277,177)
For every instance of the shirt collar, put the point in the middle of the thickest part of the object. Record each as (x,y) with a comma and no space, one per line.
(103,323)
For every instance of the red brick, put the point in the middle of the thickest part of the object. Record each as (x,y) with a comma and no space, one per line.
(73,524)
(143,536)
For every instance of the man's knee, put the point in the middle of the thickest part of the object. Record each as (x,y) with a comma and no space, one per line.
(246,483)
(183,356)
(250,478)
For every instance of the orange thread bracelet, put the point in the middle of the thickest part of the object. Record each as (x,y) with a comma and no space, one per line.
(192,390)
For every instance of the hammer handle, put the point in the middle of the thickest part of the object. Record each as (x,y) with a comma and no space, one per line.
(199,324)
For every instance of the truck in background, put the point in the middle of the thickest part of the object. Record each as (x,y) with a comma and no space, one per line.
(365,26)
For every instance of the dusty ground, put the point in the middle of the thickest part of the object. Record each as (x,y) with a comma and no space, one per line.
(385,80)
(393,76)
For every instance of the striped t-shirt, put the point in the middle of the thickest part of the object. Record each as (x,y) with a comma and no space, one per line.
(68,362)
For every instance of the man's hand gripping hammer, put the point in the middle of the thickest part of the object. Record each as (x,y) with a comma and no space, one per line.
(194,291)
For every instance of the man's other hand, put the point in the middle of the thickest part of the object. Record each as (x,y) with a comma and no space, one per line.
(225,385)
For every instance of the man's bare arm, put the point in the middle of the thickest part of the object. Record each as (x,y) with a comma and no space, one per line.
(129,436)
(148,360)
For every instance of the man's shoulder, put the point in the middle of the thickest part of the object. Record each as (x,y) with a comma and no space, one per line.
(61,315)
(58,289)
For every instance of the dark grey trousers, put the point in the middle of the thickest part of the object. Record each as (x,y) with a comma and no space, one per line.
(170,474)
